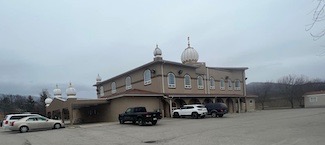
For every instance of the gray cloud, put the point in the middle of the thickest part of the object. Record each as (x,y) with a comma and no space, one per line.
(44,43)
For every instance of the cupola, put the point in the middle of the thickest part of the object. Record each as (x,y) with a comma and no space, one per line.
(189,55)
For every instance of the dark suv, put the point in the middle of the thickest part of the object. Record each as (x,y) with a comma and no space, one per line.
(216,109)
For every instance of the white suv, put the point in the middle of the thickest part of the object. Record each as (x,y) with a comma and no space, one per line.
(195,111)
(10,118)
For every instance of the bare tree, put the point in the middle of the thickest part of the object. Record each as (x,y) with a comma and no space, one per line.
(262,90)
(318,16)
(292,88)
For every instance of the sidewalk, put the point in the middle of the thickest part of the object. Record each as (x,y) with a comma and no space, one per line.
(88,125)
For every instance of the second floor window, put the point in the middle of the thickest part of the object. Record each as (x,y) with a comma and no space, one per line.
(171,80)
(212,83)
(237,85)
(187,82)
(200,82)
(147,77)
(229,84)
(113,86)
(128,84)
(222,84)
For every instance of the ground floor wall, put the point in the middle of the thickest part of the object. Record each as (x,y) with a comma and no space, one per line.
(119,105)
(109,111)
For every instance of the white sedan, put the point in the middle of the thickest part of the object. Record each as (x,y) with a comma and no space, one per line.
(35,123)
(195,111)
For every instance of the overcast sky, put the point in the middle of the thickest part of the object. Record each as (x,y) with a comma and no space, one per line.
(44,43)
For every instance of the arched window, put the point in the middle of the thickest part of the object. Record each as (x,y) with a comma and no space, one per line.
(187,82)
(200,82)
(113,86)
(237,85)
(212,83)
(171,80)
(147,77)
(229,84)
(128,84)
(222,84)
(101,91)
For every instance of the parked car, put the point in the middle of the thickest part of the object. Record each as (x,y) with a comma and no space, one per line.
(140,115)
(13,117)
(195,111)
(216,109)
(35,123)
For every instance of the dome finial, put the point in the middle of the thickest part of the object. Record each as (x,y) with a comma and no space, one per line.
(57,92)
(188,41)
(71,92)
(157,53)
(98,79)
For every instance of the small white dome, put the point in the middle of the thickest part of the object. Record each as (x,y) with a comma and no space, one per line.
(48,101)
(189,55)
(157,52)
(71,92)
(98,79)
(57,92)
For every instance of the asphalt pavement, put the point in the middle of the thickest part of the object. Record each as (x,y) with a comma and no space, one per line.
(269,127)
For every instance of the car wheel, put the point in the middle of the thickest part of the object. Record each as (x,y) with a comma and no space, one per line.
(195,115)
(121,121)
(154,122)
(141,121)
(57,126)
(23,129)
(220,115)
(176,115)
(214,114)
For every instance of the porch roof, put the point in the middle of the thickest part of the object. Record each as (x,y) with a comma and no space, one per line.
(88,102)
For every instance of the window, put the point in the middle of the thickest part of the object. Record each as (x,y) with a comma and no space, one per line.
(187,82)
(41,119)
(229,84)
(200,82)
(31,119)
(128,85)
(212,83)
(237,85)
(222,84)
(147,77)
(113,85)
(313,99)
(171,80)
(101,91)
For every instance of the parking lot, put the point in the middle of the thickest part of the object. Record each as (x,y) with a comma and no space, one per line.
(270,127)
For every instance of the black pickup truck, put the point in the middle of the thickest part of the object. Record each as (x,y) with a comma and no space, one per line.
(140,115)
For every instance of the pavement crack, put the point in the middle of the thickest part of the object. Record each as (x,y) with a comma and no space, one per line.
(27,142)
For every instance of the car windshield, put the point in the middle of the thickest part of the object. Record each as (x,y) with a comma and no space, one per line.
(200,106)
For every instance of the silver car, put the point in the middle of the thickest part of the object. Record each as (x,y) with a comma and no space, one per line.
(35,123)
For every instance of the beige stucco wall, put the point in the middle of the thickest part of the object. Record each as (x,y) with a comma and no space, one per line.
(250,104)
(119,105)
(156,85)
(320,100)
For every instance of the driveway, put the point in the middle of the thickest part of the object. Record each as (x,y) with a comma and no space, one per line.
(270,127)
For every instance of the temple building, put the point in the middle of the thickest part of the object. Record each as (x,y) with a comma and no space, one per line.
(159,85)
